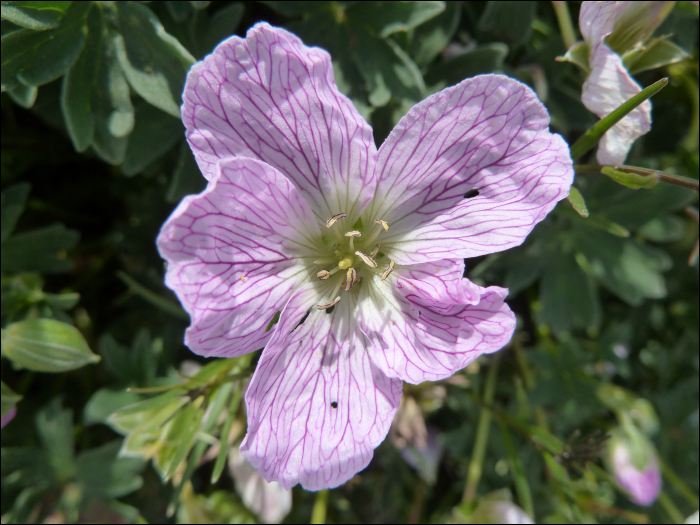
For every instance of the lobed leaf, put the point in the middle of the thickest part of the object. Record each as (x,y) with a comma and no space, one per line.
(35,15)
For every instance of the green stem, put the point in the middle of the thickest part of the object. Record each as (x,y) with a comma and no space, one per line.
(679,180)
(591,137)
(318,513)
(680,486)
(565,26)
(528,380)
(482,435)
(156,300)
(673,513)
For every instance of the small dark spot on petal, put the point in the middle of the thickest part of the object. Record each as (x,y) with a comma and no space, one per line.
(471,193)
(334,404)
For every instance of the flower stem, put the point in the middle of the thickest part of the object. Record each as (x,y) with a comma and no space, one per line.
(679,180)
(671,510)
(318,513)
(482,435)
(678,483)
(565,25)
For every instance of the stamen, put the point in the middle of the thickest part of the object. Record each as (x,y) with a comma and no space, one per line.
(388,270)
(383,224)
(374,252)
(353,233)
(323,274)
(369,262)
(350,278)
(330,222)
(326,306)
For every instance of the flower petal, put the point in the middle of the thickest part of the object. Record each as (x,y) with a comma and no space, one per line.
(597,20)
(317,406)
(230,253)
(270,97)
(488,133)
(415,338)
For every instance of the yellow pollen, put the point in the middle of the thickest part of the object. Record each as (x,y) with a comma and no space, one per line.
(345,263)
(383,224)
(330,222)
(388,270)
(353,233)
(374,252)
(369,262)
(323,274)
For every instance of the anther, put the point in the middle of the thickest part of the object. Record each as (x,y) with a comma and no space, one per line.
(330,222)
(353,233)
(327,306)
(369,262)
(323,274)
(383,224)
(350,278)
(374,252)
(388,270)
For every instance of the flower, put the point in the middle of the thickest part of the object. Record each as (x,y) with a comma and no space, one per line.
(610,29)
(345,263)
(634,462)
(8,417)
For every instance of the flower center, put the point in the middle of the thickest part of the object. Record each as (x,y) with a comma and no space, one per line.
(355,253)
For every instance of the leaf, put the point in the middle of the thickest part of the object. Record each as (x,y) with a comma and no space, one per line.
(386,70)
(631,271)
(568,296)
(43,250)
(591,137)
(293,8)
(666,228)
(35,15)
(578,54)
(179,10)
(38,57)
(46,345)
(13,200)
(385,18)
(633,181)
(221,25)
(154,62)
(186,179)
(577,202)
(510,22)
(154,134)
(79,91)
(657,53)
(22,95)
(487,58)
(8,398)
(105,402)
(102,474)
(54,425)
(429,39)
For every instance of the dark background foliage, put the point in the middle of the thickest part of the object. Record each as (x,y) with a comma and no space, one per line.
(94,160)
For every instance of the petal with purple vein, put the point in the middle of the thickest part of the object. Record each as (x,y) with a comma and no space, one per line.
(488,133)
(235,253)
(270,97)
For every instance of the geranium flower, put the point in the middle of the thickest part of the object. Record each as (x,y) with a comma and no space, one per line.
(345,263)
(635,464)
(609,84)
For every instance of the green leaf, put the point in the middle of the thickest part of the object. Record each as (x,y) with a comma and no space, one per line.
(102,474)
(41,250)
(577,202)
(55,427)
(8,398)
(591,137)
(186,179)
(666,228)
(221,25)
(179,10)
(225,432)
(154,134)
(631,271)
(384,18)
(37,57)
(579,54)
(105,402)
(13,200)
(24,96)
(568,296)
(154,62)
(35,15)
(657,53)
(81,83)
(633,181)
(46,345)
(387,70)
(293,8)
(487,58)
(429,39)
(510,22)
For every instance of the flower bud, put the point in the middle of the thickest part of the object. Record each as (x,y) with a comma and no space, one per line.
(8,417)
(634,463)
(490,511)
(635,23)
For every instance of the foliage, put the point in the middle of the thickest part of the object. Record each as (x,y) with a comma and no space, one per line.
(112,420)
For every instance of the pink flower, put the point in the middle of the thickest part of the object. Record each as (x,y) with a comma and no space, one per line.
(634,462)
(8,417)
(620,26)
(345,263)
